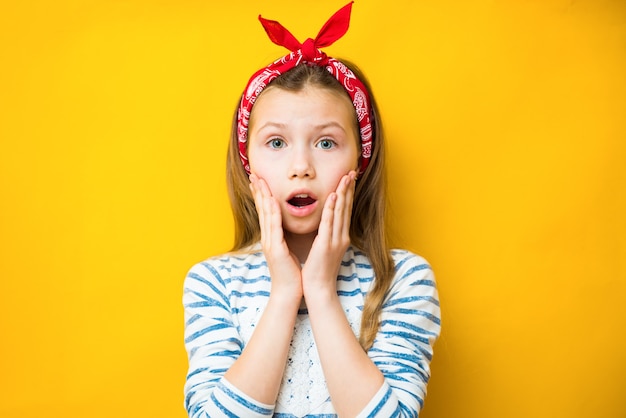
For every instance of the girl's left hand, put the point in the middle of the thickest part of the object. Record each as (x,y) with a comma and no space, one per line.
(319,273)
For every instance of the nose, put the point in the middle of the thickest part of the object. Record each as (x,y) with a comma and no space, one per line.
(301,163)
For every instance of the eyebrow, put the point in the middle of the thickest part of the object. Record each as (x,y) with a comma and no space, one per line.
(270,125)
(321,126)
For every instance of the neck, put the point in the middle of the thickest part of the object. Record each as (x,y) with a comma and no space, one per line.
(300,245)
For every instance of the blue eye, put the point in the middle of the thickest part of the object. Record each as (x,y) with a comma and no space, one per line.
(276,143)
(326,144)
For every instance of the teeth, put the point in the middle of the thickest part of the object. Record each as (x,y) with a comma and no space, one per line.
(302,195)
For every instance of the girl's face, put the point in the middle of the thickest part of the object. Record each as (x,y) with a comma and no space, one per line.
(302,143)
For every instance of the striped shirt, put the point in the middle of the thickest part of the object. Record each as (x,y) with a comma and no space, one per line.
(224,298)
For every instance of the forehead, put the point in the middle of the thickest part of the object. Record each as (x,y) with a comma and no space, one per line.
(311,101)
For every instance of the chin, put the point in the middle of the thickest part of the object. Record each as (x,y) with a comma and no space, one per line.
(301,229)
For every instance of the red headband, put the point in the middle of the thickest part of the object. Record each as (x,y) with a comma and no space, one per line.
(309,53)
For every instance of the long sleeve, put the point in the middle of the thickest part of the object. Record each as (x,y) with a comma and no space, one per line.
(403,349)
(213,342)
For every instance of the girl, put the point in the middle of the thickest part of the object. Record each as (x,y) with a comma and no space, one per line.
(311,314)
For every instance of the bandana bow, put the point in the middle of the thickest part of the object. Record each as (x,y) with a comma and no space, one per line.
(308,52)
(335,28)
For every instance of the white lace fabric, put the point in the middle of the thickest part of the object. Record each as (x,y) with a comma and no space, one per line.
(303,389)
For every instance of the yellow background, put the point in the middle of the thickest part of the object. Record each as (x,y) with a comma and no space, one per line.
(507,137)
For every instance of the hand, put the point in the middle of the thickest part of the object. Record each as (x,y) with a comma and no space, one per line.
(319,273)
(283,265)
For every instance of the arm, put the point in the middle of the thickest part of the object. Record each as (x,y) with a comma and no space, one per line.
(259,369)
(213,345)
(352,378)
(392,379)
(410,325)
(216,350)
(225,378)
(401,354)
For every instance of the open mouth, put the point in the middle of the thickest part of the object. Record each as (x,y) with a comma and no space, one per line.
(301,200)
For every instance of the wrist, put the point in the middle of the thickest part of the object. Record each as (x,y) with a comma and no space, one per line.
(320,296)
(285,300)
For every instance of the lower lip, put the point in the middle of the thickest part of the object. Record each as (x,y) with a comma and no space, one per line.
(301,211)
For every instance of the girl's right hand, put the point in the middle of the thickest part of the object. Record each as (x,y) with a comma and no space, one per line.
(284,267)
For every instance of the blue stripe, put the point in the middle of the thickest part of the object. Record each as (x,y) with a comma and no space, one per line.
(416,268)
(366,279)
(408,392)
(247,281)
(407,357)
(232,340)
(208,283)
(213,271)
(196,371)
(193,319)
(364,266)
(349,278)
(425,314)
(238,294)
(347,263)
(409,299)
(408,412)
(260,265)
(244,402)
(192,411)
(198,294)
(349,293)
(380,404)
(204,331)
(412,358)
(401,262)
(421,375)
(423,282)
(406,325)
(205,304)
(222,407)
(226,353)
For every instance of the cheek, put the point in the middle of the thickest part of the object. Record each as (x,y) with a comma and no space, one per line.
(256,160)
(353,161)
(258,157)
(264,170)
(355,156)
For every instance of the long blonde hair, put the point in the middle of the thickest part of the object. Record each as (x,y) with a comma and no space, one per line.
(367,228)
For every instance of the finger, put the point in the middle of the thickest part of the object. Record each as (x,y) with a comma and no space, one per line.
(267,205)
(262,200)
(342,208)
(325,230)
(347,214)
(258,201)
(338,212)
(273,222)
